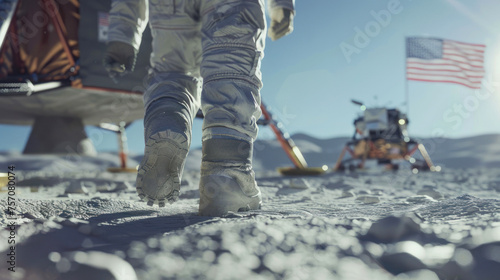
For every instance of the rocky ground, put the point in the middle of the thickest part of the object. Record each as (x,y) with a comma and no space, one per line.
(364,225)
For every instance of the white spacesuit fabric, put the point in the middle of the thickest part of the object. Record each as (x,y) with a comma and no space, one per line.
(205,53)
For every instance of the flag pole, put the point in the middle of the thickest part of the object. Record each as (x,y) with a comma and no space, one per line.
(407,95)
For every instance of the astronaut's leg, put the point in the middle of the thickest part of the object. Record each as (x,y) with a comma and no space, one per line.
(233,34)
(170,107)
(171,100)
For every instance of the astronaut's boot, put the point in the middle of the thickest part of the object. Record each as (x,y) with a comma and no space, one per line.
(227,180)
(167,136)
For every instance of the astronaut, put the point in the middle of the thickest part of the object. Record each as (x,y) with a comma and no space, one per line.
(204,53)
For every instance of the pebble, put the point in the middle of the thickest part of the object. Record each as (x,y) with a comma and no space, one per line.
(77,187)
(421,274)
(472,210)
(186,182)
(368,199)
(377,192)
(124,186)
(401,262)
(420,199)
(104,187)
(346,194)
(96,265)
(299,183)
(430,192)
(73,222)
(29,216)
(338,185)
(453,270)
(486,261)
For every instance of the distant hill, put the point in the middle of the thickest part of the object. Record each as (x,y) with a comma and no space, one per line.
(477,151)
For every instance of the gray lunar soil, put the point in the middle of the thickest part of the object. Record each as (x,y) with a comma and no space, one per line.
(77,221)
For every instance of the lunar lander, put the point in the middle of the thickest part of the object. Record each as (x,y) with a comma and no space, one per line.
(52,78)
(381,134)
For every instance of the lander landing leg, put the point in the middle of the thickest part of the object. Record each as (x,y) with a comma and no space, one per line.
(59,135)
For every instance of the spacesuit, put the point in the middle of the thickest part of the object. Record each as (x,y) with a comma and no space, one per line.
(204,53)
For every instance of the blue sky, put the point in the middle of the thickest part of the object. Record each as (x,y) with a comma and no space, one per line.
(309,80)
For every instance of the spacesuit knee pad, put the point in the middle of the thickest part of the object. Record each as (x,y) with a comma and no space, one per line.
(183,89)
(231,108)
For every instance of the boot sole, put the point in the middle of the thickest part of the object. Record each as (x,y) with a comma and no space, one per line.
(159,176)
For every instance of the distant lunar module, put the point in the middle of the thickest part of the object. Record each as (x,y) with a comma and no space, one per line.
(51,73)
(380,134)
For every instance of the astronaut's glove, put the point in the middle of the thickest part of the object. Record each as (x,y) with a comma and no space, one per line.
(281,23)
(119,59)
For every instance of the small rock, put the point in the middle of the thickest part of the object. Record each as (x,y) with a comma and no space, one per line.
(401,262)
(472,210)
(299,183)
(374,249)
(97,265)
(77,187)
(105,187)
(420,199)
(453,270)
(431,192)
(346,194)
(338,185)
(403,257)
(486,261)
(73,222)
(65,214)
(231,214)
(421,274)
(377,192)
(124,186)
(393,228)
(185,182)
(29,216)
(368,199)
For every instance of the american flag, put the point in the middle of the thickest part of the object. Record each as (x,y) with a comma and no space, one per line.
(103,19)
(447,61)
(103,27)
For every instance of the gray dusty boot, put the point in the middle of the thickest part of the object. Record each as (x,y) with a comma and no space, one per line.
(167,137)
(227,180)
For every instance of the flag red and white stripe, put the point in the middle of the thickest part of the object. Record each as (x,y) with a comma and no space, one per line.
(447,61)
(103,19)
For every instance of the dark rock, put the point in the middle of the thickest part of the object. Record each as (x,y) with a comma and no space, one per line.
(392,228)
(455,271)
(401,262)
(423,274)
(487,261)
